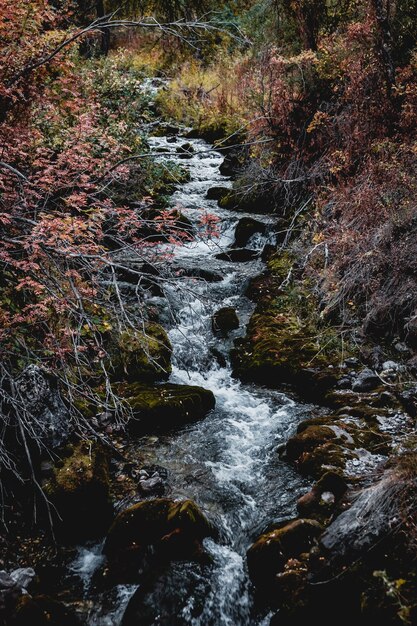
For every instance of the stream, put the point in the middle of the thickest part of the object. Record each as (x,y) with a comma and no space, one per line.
(228,462)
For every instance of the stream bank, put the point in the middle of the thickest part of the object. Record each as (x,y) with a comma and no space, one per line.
(225,457)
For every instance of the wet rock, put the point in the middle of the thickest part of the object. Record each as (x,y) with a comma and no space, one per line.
(366,380)
(232,163)
(246,227)
(44,407)
(173,529)
(320,501)
(408,399)
(238,255)
(186,150)
(163,598)
(164,407)
(217,193)
(376,512)
(269,554)
(79,491)
(142,356)
(268,252)
(225,320)
(151,479)
(328,442)
(308,440)
(198,272)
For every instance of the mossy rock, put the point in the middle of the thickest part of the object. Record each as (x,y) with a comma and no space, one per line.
(308,439)
(326,456)
(79,490)
(164,407)
(141,356)
(268,555)
(174,530)
(225,320)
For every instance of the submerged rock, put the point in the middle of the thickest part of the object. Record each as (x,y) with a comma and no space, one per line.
(225,320)
(174,530)
(163,407)
(79,490)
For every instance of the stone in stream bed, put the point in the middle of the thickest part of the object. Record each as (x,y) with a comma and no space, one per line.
(320,501)
(169,530)
(246,227)
(200,273)
(271,552)
(217,193)
(164,407)
(225,320)
(185,151)
(238,255)
(163,598)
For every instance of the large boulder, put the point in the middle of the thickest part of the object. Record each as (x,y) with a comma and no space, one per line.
(141,356)
(173,530)
(164,407)
(79,492)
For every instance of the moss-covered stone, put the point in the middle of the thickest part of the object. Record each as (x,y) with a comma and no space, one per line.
(163,407)
(173,529)
(328,441)
(286,341)
(141,356)
(79,491)
(268,555)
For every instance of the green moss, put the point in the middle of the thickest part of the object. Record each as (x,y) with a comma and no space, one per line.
(286,340)
(79,490)
(142,356)
(163,407)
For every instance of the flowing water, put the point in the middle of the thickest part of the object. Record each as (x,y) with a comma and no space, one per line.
(228,462)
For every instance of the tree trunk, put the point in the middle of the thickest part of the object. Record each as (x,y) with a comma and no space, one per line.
(105,32)
(381,9)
